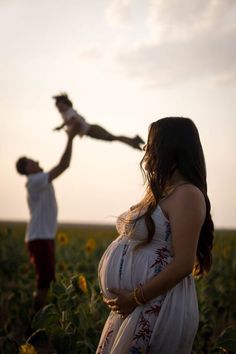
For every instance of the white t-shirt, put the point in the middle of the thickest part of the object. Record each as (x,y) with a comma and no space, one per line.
(84,126)
(43,207)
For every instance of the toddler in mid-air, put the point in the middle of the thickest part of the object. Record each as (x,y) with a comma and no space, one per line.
(69,116)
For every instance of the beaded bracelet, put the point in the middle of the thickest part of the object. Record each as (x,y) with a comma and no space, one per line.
(138,302)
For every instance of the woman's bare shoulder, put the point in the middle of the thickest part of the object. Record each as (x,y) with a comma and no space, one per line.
(185,197)
(188,191)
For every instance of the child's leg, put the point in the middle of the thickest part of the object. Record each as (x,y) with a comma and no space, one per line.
(97,132)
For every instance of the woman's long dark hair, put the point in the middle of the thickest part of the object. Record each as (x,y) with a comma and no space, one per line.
(174,143)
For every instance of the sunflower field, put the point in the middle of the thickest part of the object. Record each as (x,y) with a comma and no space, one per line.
(74,316)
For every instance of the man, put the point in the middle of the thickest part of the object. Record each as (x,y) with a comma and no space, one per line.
(42,226)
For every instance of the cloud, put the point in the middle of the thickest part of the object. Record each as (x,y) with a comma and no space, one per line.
(118,13)
(187,40)
(182,19)
(165,63)
(171,20)
(184,41)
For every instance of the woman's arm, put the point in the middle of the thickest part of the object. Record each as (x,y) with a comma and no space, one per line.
(186,214)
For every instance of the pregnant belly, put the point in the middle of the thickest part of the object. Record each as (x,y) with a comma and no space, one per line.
(123,268)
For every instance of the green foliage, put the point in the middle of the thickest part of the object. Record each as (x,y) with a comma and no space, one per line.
(46,318)
(227,339)
(217,295)
(8,345)
(72,321)
(39,338)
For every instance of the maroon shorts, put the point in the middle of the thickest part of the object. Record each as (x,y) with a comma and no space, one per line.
(42,256)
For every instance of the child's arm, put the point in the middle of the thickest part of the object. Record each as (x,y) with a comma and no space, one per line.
(60,126)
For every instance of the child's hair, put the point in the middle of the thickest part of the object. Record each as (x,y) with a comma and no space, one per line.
(63,98)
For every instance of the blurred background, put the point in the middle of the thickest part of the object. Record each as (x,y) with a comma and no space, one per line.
(124,64)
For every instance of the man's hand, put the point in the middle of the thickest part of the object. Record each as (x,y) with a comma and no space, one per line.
(123,302)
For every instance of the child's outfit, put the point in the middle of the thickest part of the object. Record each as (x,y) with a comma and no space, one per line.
(83,125)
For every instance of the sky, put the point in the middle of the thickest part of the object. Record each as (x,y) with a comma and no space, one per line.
(124,64)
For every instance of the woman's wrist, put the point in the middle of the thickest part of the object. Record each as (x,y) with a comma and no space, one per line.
(143,296)
(132,301)
(139,297)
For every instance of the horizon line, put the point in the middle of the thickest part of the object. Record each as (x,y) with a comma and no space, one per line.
(96,223)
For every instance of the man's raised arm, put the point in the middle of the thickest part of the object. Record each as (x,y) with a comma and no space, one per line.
(64,162)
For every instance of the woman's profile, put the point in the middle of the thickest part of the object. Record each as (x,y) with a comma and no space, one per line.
(146,274)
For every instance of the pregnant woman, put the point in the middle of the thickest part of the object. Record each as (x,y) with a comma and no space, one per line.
(146,274)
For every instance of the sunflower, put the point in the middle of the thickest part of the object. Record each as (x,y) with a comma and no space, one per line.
(82,283)
(90,245)
(62,238)
(27,349)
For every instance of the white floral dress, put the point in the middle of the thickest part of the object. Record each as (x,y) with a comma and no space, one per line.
(165,325)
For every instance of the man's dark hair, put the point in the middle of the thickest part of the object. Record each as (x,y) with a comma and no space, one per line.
(21,165)
(63,98)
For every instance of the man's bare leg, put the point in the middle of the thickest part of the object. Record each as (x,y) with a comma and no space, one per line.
(98,132)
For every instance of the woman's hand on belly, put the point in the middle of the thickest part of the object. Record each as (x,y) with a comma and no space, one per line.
(122,303)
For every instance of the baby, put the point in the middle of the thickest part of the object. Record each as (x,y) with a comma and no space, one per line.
(69,116)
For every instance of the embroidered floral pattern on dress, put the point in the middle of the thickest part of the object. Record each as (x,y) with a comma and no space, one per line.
(167,231)
(155,309)
(122,260)
(141,339)
(144,332)
(162,256)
